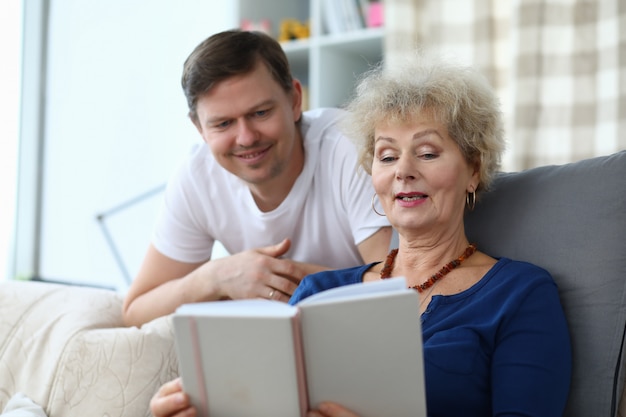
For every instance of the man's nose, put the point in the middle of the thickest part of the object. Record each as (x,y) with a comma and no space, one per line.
(246,134)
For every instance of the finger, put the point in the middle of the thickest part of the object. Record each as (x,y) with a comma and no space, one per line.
(272,291)
(162,406)
(334,410)
(277,250)
(170,387)
(170,400)
(287,268)
(170,405)
(276,295)
(279,287)
(279,276)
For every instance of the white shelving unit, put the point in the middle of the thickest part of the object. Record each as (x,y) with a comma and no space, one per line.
(327,64)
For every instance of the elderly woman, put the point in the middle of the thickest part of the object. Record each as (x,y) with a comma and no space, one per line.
(495,337)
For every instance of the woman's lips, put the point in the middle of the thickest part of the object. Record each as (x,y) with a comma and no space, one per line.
(410,199)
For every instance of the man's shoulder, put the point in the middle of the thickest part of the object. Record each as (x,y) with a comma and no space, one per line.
(330,114)
(321,121)
(200,157)
(197,151)
(322,126)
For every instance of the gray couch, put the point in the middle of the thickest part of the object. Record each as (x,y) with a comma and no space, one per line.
(571,220)
(64,347)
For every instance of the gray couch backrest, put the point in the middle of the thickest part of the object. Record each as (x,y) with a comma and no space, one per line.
(571,220)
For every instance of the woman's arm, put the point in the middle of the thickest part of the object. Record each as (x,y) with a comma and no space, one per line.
(531,366)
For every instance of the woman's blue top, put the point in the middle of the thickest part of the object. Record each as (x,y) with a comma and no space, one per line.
(499,348)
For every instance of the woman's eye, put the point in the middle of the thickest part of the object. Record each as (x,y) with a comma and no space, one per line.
(387,158)
(429,155)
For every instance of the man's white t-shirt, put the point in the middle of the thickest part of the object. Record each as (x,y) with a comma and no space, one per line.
(326,214)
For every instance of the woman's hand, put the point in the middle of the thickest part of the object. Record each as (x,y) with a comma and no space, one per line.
(171,401)
(328,409)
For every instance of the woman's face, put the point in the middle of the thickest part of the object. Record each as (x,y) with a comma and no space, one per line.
(420,176)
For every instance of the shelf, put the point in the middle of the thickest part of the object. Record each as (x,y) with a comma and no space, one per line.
(328,64)
(354,38)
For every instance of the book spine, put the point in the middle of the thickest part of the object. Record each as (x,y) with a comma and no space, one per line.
(199,371)
(303,392)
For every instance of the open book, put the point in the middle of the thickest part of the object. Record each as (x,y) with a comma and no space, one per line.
(359,345)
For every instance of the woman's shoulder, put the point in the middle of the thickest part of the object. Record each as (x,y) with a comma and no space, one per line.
(507,271)
(521,267)
(508,285)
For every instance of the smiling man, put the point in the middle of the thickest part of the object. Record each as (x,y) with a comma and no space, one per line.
(279,188)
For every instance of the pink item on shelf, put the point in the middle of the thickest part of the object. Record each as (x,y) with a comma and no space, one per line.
(263,25)
(375,15)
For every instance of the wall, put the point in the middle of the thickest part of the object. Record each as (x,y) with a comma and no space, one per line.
(116,126)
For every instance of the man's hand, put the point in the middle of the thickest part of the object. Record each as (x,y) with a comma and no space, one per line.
(171,401)
(163,284)
(256,273)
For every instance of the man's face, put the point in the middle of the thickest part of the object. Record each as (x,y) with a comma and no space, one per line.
(248,121)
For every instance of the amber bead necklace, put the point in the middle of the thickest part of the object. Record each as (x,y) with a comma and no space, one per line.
(388,267)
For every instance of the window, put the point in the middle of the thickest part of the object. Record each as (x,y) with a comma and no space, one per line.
(10,51)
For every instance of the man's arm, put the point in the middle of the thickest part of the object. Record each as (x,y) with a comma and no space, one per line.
(163,284)
(376,247)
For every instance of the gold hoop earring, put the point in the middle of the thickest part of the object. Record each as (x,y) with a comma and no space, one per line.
(374,207)
(470,202)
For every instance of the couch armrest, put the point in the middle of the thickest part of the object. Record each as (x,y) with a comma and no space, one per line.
(65,348)
(113,372)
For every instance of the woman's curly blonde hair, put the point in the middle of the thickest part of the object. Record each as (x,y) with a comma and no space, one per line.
(457,96)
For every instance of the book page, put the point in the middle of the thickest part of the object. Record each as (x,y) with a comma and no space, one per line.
(239,308)
(359,290)
(366,353)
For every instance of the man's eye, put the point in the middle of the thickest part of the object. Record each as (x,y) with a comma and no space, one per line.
(223,125)
(261,113)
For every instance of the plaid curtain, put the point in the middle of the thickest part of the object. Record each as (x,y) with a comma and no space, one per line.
(558,66)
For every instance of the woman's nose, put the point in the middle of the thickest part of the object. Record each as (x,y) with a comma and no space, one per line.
(405,169)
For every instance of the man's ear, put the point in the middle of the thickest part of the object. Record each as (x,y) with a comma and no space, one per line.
(296,94)
(196,123)
(198,126)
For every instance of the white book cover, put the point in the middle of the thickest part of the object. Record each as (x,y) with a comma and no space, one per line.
(359,345)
